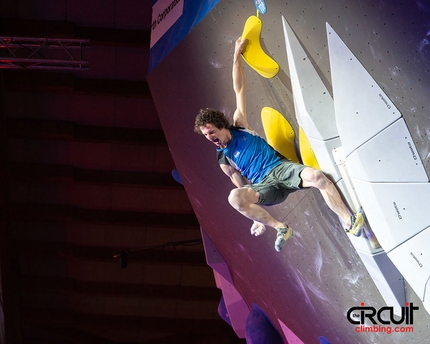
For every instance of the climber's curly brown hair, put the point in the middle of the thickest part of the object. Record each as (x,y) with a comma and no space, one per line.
(210,116)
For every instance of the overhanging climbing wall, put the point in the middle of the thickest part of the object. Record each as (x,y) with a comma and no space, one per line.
(310,286)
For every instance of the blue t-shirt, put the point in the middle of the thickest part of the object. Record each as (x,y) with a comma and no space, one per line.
(250,154)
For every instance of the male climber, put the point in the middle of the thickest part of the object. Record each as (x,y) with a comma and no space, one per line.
(262,175)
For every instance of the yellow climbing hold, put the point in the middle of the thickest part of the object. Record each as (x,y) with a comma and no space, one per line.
(253,53)
(306,151)
(279,133)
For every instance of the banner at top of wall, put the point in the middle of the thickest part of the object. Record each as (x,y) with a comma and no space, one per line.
(172,20)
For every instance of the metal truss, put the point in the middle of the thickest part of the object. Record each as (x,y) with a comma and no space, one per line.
(42,53)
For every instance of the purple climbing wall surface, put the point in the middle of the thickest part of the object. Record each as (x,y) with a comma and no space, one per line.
(318,276)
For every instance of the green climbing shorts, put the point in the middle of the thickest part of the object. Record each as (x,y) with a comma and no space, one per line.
(279,183)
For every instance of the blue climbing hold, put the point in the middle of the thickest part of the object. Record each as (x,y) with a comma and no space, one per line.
(261,6)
